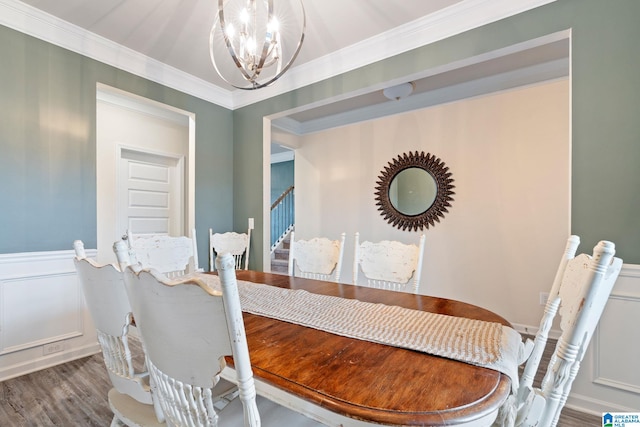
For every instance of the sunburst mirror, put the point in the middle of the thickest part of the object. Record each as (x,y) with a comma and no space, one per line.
(414,191)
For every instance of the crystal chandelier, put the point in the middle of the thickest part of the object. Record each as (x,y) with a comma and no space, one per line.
(254,42)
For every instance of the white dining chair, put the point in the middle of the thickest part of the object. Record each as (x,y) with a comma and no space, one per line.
(388,264)
(108,303)
(172,256)
(237,244)
(187,327)
(317,258)
(224,391)
(579,294)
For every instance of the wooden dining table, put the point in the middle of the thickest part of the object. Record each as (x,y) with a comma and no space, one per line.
(345,381)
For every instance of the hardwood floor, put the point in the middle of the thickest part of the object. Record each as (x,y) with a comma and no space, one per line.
(72,394)
(75,394)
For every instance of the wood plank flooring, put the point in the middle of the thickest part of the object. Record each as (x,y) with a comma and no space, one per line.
(75,394)
(71,394)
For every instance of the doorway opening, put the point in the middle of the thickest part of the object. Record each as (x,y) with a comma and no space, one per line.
(145,174)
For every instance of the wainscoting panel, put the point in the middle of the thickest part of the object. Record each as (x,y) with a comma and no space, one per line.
(43,318)
(616,349)
(609,380)
(616,346)
(37,310)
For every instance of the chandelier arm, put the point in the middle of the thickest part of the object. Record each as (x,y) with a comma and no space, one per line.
(271,53)
(284,70)
(295,54)
(227,42)
(267,43)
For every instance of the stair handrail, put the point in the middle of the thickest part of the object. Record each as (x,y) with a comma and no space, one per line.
(282,217)
(281,197)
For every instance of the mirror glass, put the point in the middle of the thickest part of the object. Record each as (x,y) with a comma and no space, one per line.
(412,191)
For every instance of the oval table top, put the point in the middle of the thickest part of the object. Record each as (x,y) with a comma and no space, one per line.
(368,381)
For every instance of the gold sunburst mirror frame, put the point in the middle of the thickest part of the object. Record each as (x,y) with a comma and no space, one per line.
(432,196)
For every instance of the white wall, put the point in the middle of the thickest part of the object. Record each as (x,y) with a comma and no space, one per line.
(499,245)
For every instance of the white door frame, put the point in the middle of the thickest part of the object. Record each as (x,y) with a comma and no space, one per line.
(105,170)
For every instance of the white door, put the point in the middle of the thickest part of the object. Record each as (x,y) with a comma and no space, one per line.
(145,169)
(150,189)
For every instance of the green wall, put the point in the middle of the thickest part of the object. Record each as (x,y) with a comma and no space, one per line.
(47,129)
(605,110)
(48,146)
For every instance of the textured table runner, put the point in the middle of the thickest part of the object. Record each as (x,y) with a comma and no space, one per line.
(487,344)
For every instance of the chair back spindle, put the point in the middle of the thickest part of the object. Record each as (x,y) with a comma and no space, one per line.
(579,294)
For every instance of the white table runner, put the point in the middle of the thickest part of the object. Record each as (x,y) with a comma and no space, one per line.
(487,344)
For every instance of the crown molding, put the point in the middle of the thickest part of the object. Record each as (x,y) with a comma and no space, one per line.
(456,19)
(33,22)
(462,16)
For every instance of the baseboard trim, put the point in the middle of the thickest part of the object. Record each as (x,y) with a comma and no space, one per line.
(33,365)
(593,406)
(533,330)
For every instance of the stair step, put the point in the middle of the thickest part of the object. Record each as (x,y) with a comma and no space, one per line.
(281,254)
(280,266)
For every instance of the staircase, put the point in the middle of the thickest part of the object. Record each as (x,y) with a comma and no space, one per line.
(280,257)
(282,222)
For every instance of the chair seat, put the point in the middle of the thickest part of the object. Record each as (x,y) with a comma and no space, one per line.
(271,415)
(130,412)
(136,387)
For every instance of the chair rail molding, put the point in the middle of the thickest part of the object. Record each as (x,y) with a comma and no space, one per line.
(43,316)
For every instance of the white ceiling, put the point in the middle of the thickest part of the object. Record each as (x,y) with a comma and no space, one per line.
(167,40)
(176,32)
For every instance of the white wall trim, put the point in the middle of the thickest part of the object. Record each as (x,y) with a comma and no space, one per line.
(66,323)
(589,397)
(33,365)
(593,406)
(34,22)
(28,257)
(554,334)
(56,263)
(462,16)
(599,350)
(456,19)
(284,156)
(75,330)
(628,270)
